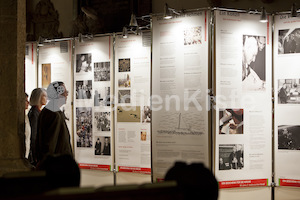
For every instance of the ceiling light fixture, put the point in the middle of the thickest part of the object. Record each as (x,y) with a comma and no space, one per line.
(263,16)
(125,32)
(294,11)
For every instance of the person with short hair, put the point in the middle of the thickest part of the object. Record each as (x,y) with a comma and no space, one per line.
(38,98)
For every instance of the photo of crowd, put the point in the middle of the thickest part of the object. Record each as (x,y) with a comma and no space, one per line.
(102,71)
(84,89)
(289,41)
(102,146)
(289,137)
(193,35)
(84,127)
(231,156)
(102,121)
(231,121)
(254,63)
(124,65)
(83,62)
(289,91)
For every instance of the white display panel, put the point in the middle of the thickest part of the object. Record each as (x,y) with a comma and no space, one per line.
(132,103)
(30,68)
(179,91)
(55,64)
(243,111)
(93,72)
(287,100)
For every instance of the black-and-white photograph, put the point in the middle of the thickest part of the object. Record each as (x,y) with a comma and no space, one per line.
(231,156)
(83,62)
(84,132)
(102,121)
(124,80)
(84,89)
(102,96)
(102,146)
(102,71)
(289,41)
(289,91)
(146,114)
(193,35)
(254,63)
(124,65)
(289,137)
(124,96)
(231,121)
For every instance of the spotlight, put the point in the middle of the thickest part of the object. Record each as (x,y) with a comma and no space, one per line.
(167,12)
(40,41)
(263,17)
(80,39)
(294,10)
(125,32)
(138,31)
(133,22)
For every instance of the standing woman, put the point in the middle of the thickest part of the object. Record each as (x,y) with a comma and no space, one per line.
(38,98)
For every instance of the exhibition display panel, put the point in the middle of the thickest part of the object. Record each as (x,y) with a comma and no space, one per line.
(30,67)
(93,121)
(179,91)
(243,96)
(287,100)
(132,103)
(55,64)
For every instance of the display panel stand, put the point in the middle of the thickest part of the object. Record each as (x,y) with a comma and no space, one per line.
(179,91)
(243,111)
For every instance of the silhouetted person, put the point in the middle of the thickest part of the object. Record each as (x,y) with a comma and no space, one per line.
(194,180)
(61,171)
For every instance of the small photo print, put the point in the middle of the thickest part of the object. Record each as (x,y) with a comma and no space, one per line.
(289,91)
(124,65)
(84,89)
(102,71)
(128,114)
(193,36)
(84,130)
(124,96)
(46,75)
(289,41)
(289,137)
(102,146)
(231,121)
(102,96)
(146,114)
(102,121)
(124,80)
(83,63)
(253,63)
(231,156)
(143,135)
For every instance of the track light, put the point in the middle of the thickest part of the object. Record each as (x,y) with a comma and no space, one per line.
(80,39)
(133,22)
(263,17)
(167,12)
(41,41)
(125,32)
(294,11)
